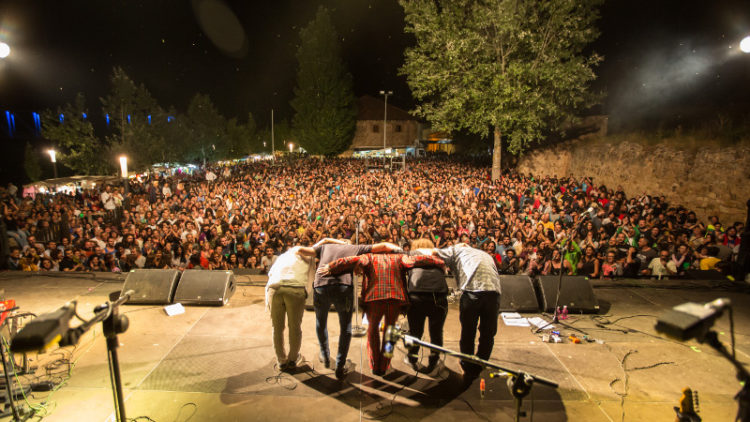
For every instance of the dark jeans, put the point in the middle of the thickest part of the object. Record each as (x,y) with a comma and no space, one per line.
(427,305)
(342,298)
(478,308)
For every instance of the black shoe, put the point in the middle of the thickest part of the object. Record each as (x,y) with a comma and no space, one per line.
(341,372)
(413,363)
(434,359)
(325,360)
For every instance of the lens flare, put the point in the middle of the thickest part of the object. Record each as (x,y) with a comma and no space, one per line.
(745,44)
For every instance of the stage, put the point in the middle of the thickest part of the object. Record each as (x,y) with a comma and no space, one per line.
(217,363)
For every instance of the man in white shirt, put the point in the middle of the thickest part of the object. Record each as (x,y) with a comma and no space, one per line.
(285,297)
(108,200)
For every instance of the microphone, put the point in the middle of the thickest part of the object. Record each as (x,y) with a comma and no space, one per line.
(44,331)
(391,336)
(691,320)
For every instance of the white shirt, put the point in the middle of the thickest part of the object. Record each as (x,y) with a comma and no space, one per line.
(290,270)
(108,201)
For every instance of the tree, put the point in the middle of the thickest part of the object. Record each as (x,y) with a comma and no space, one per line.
(129,107)
(31,164)
(325,114)
(242,138)
(514,67)
(207,130)
(79,148)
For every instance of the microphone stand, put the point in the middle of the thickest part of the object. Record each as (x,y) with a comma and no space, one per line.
(112,325)
(519,382)
(556,317)
(357,330)
(743,397)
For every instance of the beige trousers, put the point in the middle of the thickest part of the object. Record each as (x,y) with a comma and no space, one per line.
(288,303)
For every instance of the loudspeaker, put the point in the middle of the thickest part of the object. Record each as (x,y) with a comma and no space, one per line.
(155,287)
(518,294)
(204,287)
(576,293)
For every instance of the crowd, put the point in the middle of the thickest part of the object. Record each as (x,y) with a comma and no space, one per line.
(244,216)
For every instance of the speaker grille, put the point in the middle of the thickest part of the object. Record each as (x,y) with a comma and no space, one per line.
(202,287)
(151,286)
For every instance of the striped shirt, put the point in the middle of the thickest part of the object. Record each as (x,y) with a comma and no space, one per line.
(475,270)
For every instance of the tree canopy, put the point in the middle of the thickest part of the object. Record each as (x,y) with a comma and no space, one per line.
(514,68)
(78,146)
(325,114)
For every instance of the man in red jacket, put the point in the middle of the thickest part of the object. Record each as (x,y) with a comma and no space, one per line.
(383,292)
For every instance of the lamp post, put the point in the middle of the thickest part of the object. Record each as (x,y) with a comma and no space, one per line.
(291,147)
(53,156)
(124,174)
(385,120)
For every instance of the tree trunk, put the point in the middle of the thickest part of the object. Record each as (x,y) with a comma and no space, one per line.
(497,154)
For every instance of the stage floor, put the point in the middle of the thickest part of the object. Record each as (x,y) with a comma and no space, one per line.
(217,364)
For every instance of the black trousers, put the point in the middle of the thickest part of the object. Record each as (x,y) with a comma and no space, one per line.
(434,308)
(478,309)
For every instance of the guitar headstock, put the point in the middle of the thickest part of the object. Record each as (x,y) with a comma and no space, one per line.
(687,412)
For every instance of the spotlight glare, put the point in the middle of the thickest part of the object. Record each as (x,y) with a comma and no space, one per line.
(4,50)
(745,44)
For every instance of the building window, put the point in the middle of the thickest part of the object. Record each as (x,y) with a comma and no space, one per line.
(375,128)
(398,128)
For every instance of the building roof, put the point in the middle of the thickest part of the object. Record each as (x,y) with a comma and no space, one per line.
(371,108)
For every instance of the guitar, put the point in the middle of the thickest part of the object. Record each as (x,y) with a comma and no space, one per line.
(686,411)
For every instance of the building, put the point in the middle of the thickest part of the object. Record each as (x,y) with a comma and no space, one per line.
(402,129)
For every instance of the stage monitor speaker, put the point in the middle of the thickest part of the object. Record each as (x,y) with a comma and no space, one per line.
(576,293)
(518,294)
(153,287)
(205,287)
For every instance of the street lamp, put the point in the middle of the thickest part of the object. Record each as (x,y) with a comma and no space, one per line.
(385,119)
(4,50)
(291,146)
(124,174)
(53,156)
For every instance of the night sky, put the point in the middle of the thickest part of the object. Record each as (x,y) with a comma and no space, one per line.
(660,56)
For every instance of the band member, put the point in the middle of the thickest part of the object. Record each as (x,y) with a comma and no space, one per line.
(285,296)
(337,290)
(383,293)
(428,293)
(477,277)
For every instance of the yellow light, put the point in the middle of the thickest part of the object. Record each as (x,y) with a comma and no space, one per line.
(291,147)
(52,155)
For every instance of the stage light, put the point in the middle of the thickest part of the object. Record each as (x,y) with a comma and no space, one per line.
(4,50)
(745,44)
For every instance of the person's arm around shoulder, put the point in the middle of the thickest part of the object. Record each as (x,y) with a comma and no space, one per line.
(342,265)
(386,247)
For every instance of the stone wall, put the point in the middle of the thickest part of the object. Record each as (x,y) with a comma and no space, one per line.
(707,178)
